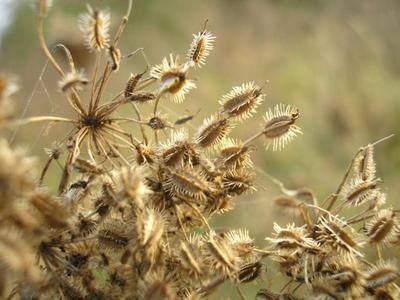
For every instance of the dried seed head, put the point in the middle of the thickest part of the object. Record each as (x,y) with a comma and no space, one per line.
(218,255)
(73,81)
(173,78)
(381,228)
(87,167)
(249,272)
(200,47)
(177,149)
(145,154)
(381,275)
(95,25)
(334,235)
(133,185)
(213,131)
(190,258)
(364,164)
(150,226)
(131,84)
(42,7)
(241,102)
(52,211)
(16,178)
(114,234)
(114,56)
(359,192)
(241,243)
(280,126)
(233,154)
(142,97)
(159,122)
(186,182)
(237,182)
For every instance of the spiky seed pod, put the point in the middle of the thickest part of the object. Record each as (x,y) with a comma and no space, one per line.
(190,258)
(86,167)
(242,101)
(173,78)
(290,239)
(131,85)
(218,255)
(53,212)
(381,275)
(133,185)
(114,234)
(234,154)
(114,56)
(16,178)
(150,226)
(42,7)
(358,192)
(73,81)
(95,26)
(213,130)
(142,97)
(333,234)
(17,257)
(249,272)
(177,149)
(145,154)
(200,48)
(381,228)
(280,127)
(241,243)
(237,182)
(364,164)
(186,182)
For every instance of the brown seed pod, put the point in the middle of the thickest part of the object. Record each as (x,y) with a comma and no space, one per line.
(142,97)
(186,182)
(241,102)
(200,47)
(249,272)
(233,154)
(381,275)
(131,85)
(158,123)
(213,131)
(177,149)
(115,234)
(51,210)
(237,182)
(359,192)
(381,228)
(87,167)
(364,164)
(280,126)
(287,202)
(114,56)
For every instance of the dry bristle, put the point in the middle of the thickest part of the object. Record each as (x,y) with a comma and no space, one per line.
(241,243)
(133,185)
(280,126)
(145,154)
(150,226)
(213,131)
(381,228)
(200,47)
(249,272)
(73,81)
(173,78)
(364,164)
(86,167)
(359,192)
(241,102)
(95,25)
(189,260)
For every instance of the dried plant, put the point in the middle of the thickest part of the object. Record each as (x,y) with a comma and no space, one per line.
(123,228)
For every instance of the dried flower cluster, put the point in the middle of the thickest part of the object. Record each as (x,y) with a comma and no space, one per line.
(131,219)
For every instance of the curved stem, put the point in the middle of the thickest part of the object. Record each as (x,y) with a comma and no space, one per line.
(252,138)
(38,119)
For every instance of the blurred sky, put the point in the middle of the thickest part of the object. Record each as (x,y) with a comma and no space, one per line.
(7,9)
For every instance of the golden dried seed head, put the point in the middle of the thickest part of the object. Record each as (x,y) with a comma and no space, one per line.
(95,25)
(364,164)
(381,228)
(131,85)
(200,47)
(241,102)
(115,234)
(213,131)
(358,192)
(280,127)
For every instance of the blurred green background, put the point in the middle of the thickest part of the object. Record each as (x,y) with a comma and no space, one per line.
(337,61)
